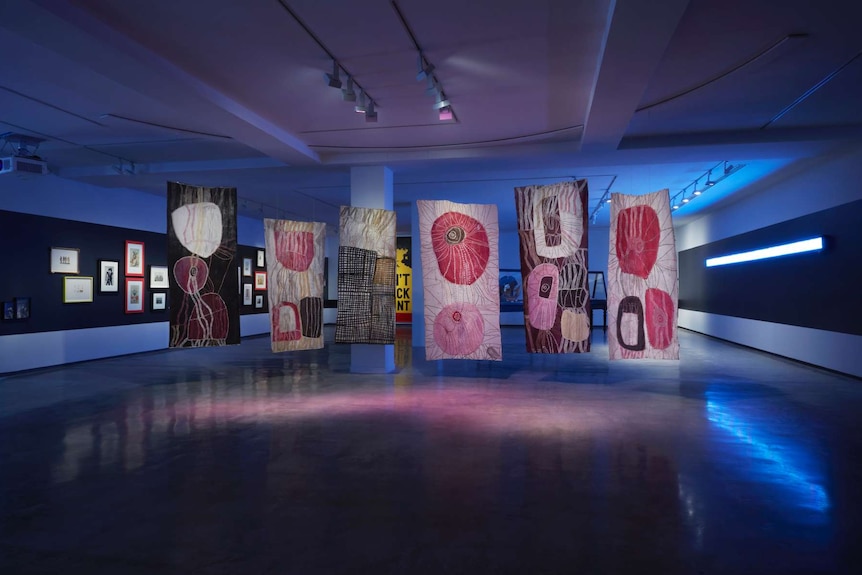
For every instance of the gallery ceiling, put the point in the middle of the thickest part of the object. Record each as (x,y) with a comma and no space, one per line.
(635,96)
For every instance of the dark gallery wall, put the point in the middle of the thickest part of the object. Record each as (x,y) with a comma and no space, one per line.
(803,306)
(40,212)
(801,289)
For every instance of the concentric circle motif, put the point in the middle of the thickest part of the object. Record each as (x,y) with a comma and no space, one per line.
(191,274)
(459,329)
(461,246)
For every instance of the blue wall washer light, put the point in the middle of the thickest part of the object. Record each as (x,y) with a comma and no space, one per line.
(802,246)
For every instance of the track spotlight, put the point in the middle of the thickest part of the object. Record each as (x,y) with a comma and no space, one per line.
(348,94)
(371,113)
(709,181)
(333,79)
(361,107)
(425,68)
(441,102)
(445,114)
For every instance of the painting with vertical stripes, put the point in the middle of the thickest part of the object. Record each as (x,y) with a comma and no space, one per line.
(294,262)
(460,268)
(366,276)
(643,285)
(203,279)
(553,237)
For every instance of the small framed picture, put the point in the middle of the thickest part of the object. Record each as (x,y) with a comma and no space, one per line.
(109,276)
(159,277)
(22,307)
(134,258)
(258,301)
(159,301)
(77,289)
(246,294)
(134,295)
(246,267)
(64,260)
(8,310)
(261,258)
(260,281)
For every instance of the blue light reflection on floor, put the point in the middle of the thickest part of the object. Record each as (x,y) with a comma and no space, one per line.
(806,492)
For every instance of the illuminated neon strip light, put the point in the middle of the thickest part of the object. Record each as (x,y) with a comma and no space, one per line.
(811,245)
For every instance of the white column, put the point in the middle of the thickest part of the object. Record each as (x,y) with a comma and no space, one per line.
(371,187)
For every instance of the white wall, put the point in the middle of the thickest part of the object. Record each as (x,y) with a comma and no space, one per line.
(801,189)
(59,198)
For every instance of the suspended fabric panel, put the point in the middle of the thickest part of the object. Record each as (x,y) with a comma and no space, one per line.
(553,237)
(294,265)
(366,276)
(643,285)
(460,269)
(204,286)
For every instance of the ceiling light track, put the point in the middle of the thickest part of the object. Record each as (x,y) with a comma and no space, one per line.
(810,91)
(75,144)
(605,199)
(425,72)
(783,44)
(49,105)
(348,93)
(710,178)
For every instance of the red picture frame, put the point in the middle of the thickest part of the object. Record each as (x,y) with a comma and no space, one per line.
(134,258)
(135,295)
(259,281)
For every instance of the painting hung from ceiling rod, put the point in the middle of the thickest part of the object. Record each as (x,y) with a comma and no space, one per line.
(204,288)
(643,285)
(460,275)
(366,276)
(553,237)
(294,258)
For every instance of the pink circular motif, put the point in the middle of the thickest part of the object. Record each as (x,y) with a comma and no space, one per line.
(459,329)
(461,246)
(191,274)
(295,250)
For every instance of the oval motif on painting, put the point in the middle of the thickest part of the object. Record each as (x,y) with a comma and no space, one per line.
(638,235)
(542,286)
(459,329)
(191,274)
(209,318)
(659,318)
(198,227)
(294,250)
(461,245)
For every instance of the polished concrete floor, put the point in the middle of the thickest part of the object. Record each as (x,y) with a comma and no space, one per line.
(236,460)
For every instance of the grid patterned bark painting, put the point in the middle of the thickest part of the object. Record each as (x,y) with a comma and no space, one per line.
(553,235)
(460,269)
(643,285)
(203,274)
(294,262)
(366,276)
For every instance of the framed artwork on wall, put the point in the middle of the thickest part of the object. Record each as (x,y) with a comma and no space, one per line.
(8,310)
(22,307)
(261,258)
(159,301)
(64,260)
(76,289)
(134,258)
(246,267)
(134,295)
(159,277)
(260,281)
(109,276)
(258,301)
(246,294)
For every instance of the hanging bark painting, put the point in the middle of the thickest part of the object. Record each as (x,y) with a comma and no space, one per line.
(553,235)
(294,260)
(643,285)
(203,278)
(366,276)
(460,269)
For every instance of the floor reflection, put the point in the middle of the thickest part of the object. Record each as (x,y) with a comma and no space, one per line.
(235,460)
